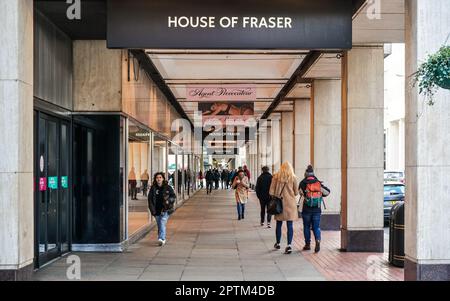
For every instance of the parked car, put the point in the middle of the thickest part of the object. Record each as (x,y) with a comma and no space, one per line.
(394,192)
(394,176)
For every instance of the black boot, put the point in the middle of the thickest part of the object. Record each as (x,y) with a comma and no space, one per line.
(317,248)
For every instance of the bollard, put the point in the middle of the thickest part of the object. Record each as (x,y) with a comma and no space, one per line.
(397,235)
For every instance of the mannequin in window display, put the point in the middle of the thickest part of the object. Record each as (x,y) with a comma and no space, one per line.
(132,182)
(144,180)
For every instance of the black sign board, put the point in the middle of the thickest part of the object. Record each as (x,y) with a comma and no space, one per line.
(230,24)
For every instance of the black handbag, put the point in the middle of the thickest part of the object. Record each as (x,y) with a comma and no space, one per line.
(276,204)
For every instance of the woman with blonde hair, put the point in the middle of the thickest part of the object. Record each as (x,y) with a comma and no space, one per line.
(284,185)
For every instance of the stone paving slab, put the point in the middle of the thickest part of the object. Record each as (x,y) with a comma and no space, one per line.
(205,242)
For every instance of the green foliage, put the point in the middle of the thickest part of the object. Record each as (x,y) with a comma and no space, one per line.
(434,73)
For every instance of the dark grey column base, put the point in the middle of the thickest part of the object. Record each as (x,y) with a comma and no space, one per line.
(426,272)
(362,241)
(330,222)
(23,274)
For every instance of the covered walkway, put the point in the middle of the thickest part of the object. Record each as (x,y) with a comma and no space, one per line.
(206,242)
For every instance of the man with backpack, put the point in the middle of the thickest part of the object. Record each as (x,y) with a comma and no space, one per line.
(313,193)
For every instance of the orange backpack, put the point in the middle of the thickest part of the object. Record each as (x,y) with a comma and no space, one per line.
(314,195)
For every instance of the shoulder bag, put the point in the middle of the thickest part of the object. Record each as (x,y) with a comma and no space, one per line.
(276,204)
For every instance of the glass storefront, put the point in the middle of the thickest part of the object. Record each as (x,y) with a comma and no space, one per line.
(159,158)
(139,168)
(172,169)
(180,176)
(99,196)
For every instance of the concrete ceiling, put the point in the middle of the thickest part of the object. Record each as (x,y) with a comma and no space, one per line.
(381,22)
(269,71)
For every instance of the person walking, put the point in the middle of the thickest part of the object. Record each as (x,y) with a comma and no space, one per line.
(231,176)
(312,191)
(161,200)
(224,178)
(132,182)
(262,192)
(235,174)
(145,177)
(209,181)
(216,178)
(247,172)
(241,186)
(284,185)
(200,178)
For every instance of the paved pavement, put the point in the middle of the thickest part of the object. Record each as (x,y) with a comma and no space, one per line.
(205,242)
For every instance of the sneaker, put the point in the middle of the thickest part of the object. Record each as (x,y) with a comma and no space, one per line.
(277,246)
(262,224)
(160,242)
(317,248)
(288,250)
(307,247)
(269,226)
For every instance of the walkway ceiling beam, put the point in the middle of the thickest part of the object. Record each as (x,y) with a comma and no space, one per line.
(309,60)
(154,74)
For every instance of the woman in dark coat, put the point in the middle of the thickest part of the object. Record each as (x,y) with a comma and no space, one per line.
(161,201)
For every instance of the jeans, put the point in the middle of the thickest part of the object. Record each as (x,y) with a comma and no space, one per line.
(145,187)
(264,207)
(209,187)
(290,231)
(161,221)
(311,219)
(240,209)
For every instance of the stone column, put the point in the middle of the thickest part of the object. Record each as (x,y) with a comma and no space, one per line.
(302,136)
(16,140)
(276,142)
(327,147)
(427,214)
(362,149)
(287,137)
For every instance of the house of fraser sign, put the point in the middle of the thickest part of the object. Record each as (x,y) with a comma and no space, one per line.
(230,24)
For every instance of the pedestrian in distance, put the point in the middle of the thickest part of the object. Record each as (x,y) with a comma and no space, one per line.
(209,181)
(247,172)
(200,178)
(313,191)
(132,182)
(241,186)
(224,178)
(145,177)
(284,185)
(161,202)
(216,178)
(262,192)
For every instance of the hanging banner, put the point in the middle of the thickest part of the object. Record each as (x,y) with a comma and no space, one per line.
(231,24)
(221,93)
(226,110)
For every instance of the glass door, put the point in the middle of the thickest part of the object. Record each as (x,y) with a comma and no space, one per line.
(52,176)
